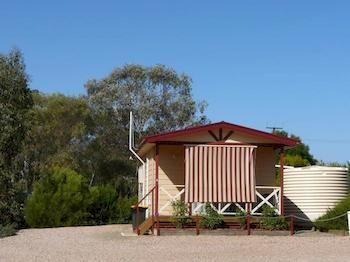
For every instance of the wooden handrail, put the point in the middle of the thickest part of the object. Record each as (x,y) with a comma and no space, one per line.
(137,209)
(138,203)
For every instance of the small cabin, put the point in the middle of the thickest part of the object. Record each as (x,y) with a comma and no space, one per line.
(228,165)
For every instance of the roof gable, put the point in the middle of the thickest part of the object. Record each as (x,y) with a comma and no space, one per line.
(169,136)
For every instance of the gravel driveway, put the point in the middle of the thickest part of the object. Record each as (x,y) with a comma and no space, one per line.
(105,243)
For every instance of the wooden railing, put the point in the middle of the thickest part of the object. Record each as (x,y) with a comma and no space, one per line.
(266,195)
(152,209)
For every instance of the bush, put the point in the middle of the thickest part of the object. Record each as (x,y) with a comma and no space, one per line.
(211,219)
(12,197)
(7,230)
(180,215)
(63,198)
(102,206)
(243,217)
(106,207)
(336,224)
(60,198)
(271,221)
(124,209)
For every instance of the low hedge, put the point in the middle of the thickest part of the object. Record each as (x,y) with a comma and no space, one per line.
(7,230)
(337,224)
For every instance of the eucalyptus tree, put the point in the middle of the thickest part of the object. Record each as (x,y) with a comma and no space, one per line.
(160,98)
(15,103)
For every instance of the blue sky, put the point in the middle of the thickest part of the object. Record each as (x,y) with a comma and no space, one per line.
(257,63)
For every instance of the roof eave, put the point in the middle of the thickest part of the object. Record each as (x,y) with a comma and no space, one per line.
(163,136)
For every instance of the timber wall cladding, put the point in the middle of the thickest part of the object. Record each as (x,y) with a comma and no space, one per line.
(171,174)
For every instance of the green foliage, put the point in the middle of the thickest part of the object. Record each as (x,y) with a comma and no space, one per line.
(160,98)
(333,164)
(299,155)
(211,219)
(59,199)
(85,134)
(295,160)
(271,221)
(15,103)
(7,230)
(243,217)
(124,210)
(62,198)
(180,215)
(339,223)
(102,207)
(64,133)
(12,198)
(59,135)
(106,207)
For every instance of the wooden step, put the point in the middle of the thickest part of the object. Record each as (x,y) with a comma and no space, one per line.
(146,225)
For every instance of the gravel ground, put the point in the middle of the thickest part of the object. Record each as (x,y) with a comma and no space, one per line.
(105,243)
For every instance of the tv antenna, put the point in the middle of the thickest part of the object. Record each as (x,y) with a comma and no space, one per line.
(274,128)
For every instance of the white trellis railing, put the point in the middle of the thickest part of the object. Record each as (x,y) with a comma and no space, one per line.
(266,195)
(171,198)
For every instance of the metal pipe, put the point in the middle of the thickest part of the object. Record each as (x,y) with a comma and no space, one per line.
(135,154)
(281,181)
(157,190)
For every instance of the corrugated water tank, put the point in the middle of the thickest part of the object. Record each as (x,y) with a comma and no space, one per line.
(310,191)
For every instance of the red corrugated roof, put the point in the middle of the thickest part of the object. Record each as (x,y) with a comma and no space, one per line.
(246,130)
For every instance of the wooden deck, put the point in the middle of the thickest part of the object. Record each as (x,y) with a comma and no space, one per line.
(165,222)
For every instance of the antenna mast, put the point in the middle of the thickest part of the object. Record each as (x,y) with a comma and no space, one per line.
(274,128)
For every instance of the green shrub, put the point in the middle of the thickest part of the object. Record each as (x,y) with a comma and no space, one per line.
(270,219)
(12,197)
(336,224)
(124,209)
(102,206)
(63,198)
(106,207)
(243,217)
(7,230)
(211,219)
(60,198)
(180,215)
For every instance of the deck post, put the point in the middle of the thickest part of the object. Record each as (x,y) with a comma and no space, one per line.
(281,181)
(197,225)
(152,213)
(291,225)
(349,221)
(137,220)
(248,224)
(157,189)
(248,219)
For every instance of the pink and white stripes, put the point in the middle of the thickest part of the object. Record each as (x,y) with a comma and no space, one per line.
(220,173)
